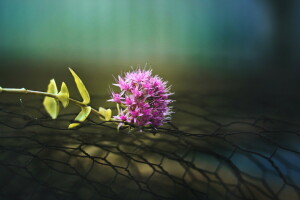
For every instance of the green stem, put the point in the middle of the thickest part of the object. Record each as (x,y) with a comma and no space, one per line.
(25,91)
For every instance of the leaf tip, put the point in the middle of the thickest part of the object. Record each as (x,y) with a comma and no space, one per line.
(81,88)
(71,70)
(73,125)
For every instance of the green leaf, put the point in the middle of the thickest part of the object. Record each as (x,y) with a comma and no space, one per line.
(106,113)
(0,89)
(81,88)
(51,104)
(73,125)
(64,95)
(84,113)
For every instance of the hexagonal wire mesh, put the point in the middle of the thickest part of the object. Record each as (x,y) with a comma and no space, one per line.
(211,150)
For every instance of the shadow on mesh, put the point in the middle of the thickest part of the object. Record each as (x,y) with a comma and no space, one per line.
(211,150)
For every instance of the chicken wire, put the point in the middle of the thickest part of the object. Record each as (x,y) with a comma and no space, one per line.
(213,149)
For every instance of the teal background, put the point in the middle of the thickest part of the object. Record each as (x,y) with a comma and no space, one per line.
(211,45)
(199,46)
(164,33)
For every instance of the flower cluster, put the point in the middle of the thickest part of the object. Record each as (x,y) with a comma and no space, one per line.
(144,99)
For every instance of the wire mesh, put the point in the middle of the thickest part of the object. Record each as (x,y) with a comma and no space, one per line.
(213,149)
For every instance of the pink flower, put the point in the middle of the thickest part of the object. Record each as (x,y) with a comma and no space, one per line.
(116,98)
(144,97)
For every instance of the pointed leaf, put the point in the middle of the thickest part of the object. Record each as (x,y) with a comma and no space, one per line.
(73,125)
(106,113)
(81,88)
(84,113)
(51,104)
(63,95)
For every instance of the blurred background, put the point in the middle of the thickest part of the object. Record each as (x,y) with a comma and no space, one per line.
(207,43)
